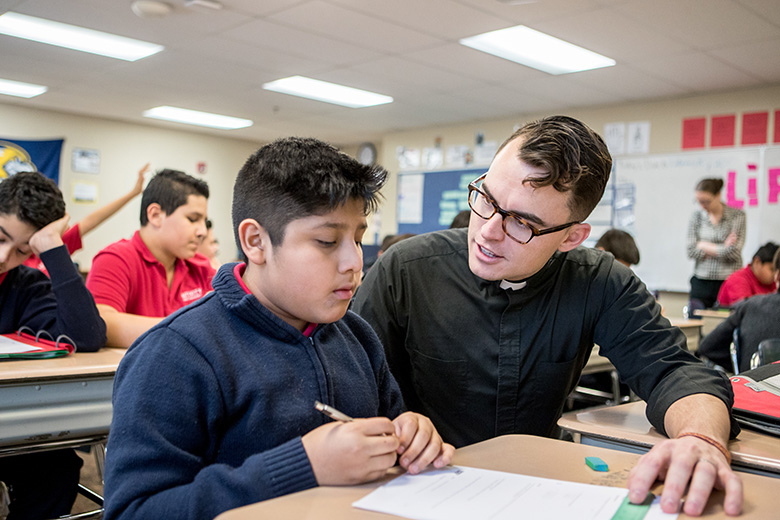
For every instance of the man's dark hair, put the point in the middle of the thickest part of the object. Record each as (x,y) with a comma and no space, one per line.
(766,252)
(32,198)
(620,244)
(170,189)
(297,177)
(575,158)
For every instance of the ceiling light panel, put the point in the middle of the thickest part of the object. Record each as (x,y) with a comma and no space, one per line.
(19,89)
(538,50)
(327,92)
(76,38)
(195,117)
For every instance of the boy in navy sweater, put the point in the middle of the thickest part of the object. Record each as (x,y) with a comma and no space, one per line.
(214,407)
(32,219)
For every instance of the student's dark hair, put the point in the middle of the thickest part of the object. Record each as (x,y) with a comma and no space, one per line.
(766,253)
(575,158)
(776,261)
(394,240)
(620,244)
(170,189)
(32,198)
(712,186)
(461,219)
(297,177)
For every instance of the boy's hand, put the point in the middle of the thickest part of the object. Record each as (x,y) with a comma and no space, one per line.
(49,236)
(420,443)
(139,183)
(345,453)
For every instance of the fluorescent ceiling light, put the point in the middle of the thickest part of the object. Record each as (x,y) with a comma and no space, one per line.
(327,92)
(194,117)
(535,49)
(19,89)
(76,38)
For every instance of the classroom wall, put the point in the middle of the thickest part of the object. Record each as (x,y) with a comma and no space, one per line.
(124,148)
(665,117)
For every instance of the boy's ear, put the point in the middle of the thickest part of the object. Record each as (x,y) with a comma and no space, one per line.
(576,236)
(155,214)
(255,242)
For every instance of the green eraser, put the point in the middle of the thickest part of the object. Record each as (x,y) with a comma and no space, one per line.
(596,464)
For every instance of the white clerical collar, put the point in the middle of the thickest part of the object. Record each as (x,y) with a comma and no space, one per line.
(515,286)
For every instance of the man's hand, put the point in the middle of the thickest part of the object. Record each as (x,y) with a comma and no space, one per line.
(49,236)
(679,462)
(420,443)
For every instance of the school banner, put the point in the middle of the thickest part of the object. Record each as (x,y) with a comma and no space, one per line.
(25,156)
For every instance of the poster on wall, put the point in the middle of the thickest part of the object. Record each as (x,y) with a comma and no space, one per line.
(28,156)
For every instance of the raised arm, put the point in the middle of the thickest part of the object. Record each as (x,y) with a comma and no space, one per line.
(97,217)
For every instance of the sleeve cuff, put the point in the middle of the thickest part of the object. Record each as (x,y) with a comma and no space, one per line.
(289,468)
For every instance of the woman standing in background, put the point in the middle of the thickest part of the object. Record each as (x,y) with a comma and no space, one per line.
(716,234)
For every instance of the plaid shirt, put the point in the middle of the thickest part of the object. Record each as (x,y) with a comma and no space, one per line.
(728,259)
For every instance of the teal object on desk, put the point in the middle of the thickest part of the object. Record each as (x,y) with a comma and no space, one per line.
(596,464)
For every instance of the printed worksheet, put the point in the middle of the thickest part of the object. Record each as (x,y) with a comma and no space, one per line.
(463,493)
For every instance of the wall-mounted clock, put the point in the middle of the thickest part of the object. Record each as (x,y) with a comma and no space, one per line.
(366,153)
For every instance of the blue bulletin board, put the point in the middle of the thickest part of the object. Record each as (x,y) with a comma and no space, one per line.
(428,201)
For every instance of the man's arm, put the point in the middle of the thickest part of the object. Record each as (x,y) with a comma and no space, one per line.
(123,328)
(689,461)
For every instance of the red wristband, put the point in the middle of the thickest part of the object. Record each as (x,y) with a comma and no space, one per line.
(710,441)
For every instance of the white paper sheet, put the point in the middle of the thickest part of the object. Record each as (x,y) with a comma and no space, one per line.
(463,493)
(9,346)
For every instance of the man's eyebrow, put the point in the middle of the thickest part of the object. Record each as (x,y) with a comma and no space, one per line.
(530,217)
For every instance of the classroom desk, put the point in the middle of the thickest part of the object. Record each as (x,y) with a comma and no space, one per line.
(626,428)
(711,318)
(60,402)
(524,454)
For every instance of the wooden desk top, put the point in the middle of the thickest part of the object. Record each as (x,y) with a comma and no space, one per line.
(686,324)
(87,364)
(626,424)
(709,313)
(524,454)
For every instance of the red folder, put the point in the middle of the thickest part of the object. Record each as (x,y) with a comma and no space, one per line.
(30,345)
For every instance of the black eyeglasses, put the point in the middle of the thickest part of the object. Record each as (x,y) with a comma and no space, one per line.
(515,226)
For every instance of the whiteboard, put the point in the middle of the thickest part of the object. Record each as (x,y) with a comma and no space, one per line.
(654,200)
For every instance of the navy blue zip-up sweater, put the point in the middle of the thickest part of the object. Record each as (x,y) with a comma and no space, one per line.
(210,405)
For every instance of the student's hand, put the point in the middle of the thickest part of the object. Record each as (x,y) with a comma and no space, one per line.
(49,236)
(139,183)
(345,453)
(420,443)
(684,461)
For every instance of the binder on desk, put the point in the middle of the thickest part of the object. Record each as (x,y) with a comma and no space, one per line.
(757,398)
(27,344)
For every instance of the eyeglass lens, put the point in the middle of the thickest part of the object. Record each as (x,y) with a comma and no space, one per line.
(486,209)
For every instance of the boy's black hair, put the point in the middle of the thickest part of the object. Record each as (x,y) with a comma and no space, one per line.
(766,253)
(32,198)
(170,189)
(297,177)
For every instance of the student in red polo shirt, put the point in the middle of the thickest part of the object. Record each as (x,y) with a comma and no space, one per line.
(756,278)
(138,282)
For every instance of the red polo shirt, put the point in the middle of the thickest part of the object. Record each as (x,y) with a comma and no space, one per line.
(742,284)
(127,276)
(72,240)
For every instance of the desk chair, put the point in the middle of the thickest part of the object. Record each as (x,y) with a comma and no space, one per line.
(768,352)
(734,351)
